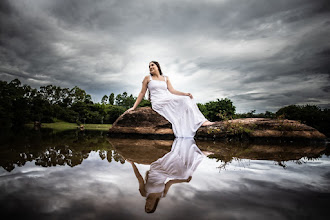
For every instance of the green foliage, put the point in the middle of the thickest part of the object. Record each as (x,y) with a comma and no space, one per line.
(79,95)
(125,100)
(111,99)
(20,104)
(232,128)
(144,103)
(252,114)
(104,99)
(112,113)
(218,110)
(203,109)
(14,108)
(311,115)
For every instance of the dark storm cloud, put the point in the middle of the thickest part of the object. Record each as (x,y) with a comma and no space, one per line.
(269,47)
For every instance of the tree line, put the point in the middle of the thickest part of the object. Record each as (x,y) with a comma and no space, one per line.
(20,104)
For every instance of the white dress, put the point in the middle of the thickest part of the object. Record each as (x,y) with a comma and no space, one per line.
(179,163)
(181,111)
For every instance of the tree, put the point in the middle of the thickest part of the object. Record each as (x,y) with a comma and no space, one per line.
(112,113)
(203,109)
(124,100)
(111,99)
(144,102)
(223,106)
(104,99)
(119,100)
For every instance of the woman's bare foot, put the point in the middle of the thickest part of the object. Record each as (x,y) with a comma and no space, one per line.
(207,153)
(207,123)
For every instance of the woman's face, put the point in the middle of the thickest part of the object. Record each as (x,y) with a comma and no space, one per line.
(153,68)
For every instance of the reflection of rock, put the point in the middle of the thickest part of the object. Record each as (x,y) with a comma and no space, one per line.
(146,151)
(142,151)
(283,152)
(145,122)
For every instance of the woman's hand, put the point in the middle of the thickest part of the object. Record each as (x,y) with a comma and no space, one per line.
(190,95)
(129,161)
(130,109)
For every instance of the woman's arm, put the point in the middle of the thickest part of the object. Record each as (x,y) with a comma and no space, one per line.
(175,92)
(141,94)
(171,182)
(139,178)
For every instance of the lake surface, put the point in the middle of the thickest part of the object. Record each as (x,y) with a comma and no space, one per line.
(86,175)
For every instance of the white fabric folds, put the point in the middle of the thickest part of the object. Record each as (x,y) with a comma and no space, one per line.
(180,163)
(181,111)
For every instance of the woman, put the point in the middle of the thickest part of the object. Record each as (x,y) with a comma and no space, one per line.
(178,165)
(177,107)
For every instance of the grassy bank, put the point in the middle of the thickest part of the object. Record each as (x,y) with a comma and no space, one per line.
(69,126)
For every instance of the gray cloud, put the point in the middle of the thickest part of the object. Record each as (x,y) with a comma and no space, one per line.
(254,52)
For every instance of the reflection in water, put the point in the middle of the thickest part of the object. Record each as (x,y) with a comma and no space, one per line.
(48,148)
(178,165)
(88,184)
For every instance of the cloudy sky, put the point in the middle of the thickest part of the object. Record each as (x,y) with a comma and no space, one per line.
(261,54)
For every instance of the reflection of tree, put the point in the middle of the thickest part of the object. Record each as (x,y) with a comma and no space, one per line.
(61,155)
(117,157)
(299,161)
(109,156)
(51,148)
(102,154)
(240,162)
(225,152)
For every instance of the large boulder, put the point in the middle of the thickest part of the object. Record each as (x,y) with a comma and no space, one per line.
(143,122)
(146,123)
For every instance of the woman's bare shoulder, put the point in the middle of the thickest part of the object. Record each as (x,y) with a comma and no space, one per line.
(146,79)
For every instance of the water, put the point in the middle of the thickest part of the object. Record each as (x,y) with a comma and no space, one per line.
(85,175)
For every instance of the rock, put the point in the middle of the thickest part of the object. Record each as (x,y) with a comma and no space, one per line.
(146,123)
(260,128)
(143,122)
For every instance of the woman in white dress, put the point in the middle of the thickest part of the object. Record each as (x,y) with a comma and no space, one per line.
(177,166)
(179,108)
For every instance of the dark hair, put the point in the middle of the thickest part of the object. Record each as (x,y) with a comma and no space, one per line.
(153,208)
(157,64)
(160,72)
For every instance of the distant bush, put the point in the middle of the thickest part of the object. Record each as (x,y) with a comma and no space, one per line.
(252,114)
(311,115)
(112,113)
(215,110)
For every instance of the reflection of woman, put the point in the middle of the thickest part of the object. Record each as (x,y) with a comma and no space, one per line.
(177,107)
(177,165)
